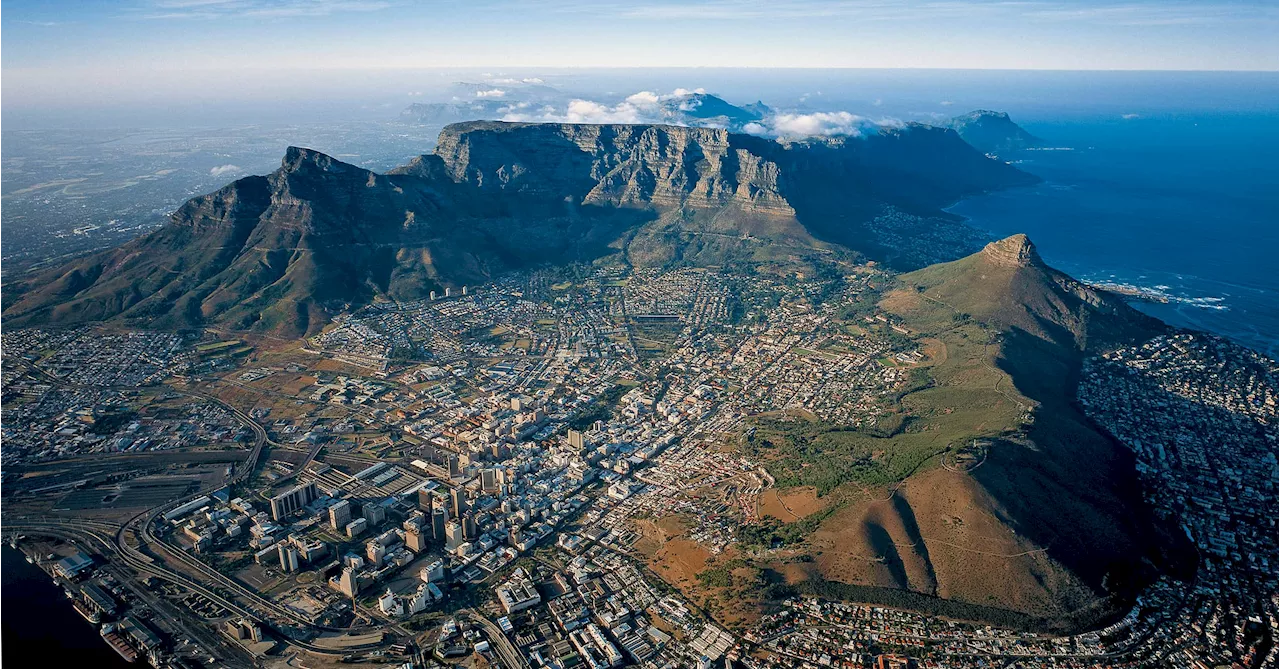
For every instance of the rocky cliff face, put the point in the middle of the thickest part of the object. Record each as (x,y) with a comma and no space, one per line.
(617,165)
(809,193)
(1014,251)
(281,252)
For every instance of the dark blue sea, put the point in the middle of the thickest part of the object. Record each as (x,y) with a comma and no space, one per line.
(1178,205)
(40,628)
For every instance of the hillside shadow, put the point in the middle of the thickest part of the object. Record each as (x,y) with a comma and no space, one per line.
(1073,489)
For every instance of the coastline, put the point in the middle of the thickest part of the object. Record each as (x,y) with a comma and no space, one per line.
(51,620)
(1186,300)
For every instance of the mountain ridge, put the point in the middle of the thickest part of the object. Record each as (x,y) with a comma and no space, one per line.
(1065,492)
(280,253)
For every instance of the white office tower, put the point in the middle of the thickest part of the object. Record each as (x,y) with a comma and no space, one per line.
(387,604)
(347,583)
(418,603)
(340,515)
(288,557)
(453,535)
(433,573)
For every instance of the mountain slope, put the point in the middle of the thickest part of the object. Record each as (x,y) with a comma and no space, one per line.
(704,109)
(281,253)
(1050,523)
(269,253)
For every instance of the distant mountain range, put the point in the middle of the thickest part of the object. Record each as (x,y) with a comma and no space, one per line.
(281,253)
(708,110)
(992,132)
(686,108)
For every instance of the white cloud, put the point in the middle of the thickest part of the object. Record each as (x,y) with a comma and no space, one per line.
(648,107)
(586,111)
(819,124)
(223,170)
(532,80)
(946,103)
(491,93)
(1129,117)
(644,99)
(641,107)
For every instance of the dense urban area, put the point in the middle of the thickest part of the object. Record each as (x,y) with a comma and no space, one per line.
(483,477)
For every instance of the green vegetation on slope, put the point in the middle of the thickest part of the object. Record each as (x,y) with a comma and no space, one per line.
(945,405)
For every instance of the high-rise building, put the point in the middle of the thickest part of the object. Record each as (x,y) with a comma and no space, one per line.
(374,513)
(289,501)
(469,526)
(453,536)
(415,539)
(455,467)
(489,480)
(424,499)
(576,439)
(347,582)
(433,573)
(439,518)
(375,552)
(458,496)
(340,515)
(288,557)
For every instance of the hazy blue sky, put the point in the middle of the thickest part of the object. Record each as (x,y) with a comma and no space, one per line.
(60,51)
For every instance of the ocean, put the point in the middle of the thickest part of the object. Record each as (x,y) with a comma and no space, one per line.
(1178,205)
(40,627)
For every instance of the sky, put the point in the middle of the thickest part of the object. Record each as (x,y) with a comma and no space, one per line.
(64,52)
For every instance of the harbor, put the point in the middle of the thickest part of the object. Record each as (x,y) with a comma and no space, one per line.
(51,620)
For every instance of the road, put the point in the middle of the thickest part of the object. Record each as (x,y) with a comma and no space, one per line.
(501,645)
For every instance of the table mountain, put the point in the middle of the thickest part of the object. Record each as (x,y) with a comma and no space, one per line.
(280,253)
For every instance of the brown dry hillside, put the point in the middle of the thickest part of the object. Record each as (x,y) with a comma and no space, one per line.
(1046,521)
